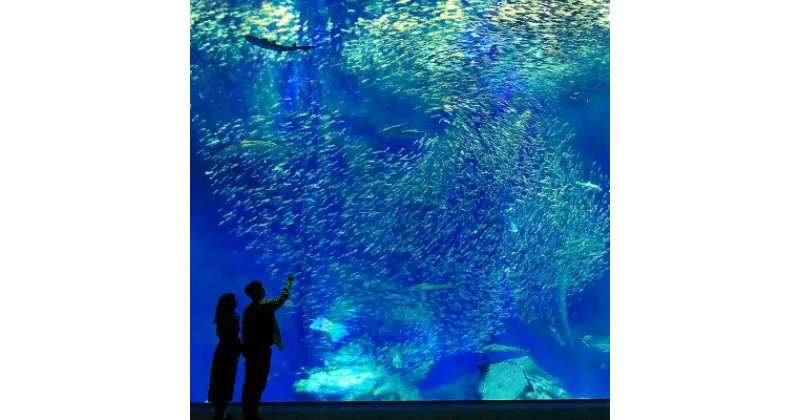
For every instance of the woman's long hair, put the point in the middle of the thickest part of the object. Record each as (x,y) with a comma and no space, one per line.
(225,307)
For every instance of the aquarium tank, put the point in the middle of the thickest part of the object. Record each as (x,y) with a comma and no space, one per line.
(434,172)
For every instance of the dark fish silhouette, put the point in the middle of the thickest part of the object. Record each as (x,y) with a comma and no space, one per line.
(274,46)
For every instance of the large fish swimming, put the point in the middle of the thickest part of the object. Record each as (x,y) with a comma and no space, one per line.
(274,46)
(501,348)
(430,286)
(589,186)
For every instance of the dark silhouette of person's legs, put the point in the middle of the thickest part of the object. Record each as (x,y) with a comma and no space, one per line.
(264,372)
(220,409)
(255,380)
(250,398)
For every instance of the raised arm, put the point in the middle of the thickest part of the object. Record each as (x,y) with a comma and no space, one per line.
(280,300)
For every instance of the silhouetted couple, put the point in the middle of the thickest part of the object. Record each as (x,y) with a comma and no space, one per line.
(259,332)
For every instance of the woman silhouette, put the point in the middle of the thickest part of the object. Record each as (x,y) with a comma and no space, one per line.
(226,356)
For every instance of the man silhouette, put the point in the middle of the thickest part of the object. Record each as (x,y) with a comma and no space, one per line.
(259,332)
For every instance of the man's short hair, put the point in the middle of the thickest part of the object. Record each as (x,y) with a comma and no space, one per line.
(253,290)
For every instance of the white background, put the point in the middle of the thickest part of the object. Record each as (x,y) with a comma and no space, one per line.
(94,209)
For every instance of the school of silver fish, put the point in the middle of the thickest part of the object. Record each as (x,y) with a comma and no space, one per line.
(419,234)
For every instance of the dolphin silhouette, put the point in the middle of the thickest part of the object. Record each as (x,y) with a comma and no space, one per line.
(274,46)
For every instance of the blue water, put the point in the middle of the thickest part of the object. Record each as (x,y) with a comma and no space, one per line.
(280,98)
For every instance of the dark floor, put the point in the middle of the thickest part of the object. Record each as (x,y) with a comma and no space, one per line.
(444,410)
